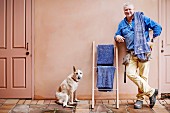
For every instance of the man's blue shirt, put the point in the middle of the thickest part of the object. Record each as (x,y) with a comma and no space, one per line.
(127,31)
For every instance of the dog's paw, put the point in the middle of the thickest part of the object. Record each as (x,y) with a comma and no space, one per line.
(76,100)
(68,106)
(65,104)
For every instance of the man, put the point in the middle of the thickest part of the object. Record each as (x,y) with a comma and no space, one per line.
(134,30)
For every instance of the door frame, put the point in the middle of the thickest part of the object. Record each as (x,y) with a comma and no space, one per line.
(32,40)
(159,45)
(161,17)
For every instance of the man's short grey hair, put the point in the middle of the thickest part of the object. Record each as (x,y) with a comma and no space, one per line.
(127,4)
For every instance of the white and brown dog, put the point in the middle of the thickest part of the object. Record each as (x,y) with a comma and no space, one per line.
(66,92)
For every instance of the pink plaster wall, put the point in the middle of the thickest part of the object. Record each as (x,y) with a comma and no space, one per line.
(64,31)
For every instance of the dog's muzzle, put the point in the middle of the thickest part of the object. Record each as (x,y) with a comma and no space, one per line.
(79,77)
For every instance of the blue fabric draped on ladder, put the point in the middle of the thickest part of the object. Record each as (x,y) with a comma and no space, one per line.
(105,77)
(105,54)
(105,68)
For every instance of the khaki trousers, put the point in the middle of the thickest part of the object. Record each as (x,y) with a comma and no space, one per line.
(138,73)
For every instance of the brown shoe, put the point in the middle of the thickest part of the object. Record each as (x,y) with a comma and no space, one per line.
(153,98)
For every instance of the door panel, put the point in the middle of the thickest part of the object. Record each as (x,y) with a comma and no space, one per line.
(19,24)
(3,24)
(3,70)
(15,38)
(19,73)
(164,60)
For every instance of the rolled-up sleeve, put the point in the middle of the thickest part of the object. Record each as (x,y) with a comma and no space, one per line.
(157,29)
(118,32)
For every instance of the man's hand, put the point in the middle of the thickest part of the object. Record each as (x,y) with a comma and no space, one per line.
(150,44)
(120,38)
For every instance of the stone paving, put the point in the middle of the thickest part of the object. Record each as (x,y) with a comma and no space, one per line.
(84,106)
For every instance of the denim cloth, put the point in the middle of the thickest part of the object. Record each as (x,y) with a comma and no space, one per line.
(140,45)
(127,30)
(105,77)
(105,55)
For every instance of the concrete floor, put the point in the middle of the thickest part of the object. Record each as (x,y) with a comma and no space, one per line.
(101,106)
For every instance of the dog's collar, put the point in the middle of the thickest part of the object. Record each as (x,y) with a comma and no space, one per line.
(74,79)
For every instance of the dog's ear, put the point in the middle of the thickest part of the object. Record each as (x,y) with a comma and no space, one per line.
(74,69)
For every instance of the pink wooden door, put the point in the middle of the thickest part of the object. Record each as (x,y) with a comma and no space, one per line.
(164,60)
(15,43)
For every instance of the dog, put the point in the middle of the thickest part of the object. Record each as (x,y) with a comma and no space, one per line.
(66,92)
